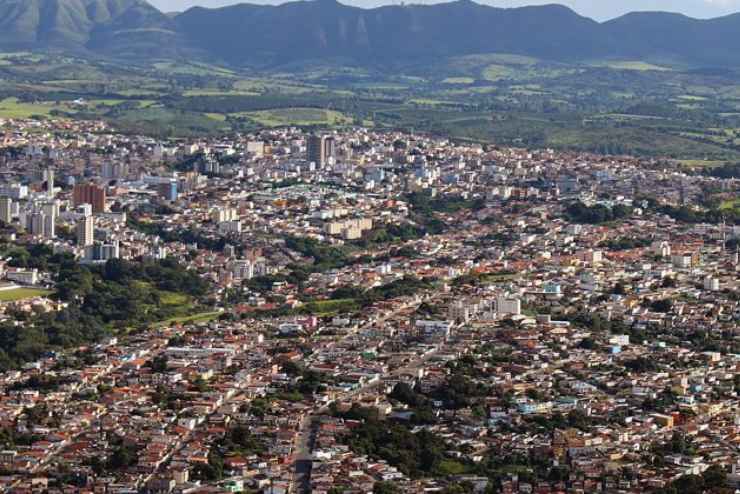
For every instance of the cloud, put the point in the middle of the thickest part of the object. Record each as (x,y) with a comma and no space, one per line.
(597,9)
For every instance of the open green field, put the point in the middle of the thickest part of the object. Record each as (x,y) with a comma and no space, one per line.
(191,319)
(325,308)
(174,307)
(730,205)
(13,108)
(218,92)
(22,294)
(495,72)
(193,68)
(630,65)
(640,107)
(297,116)
(458,80)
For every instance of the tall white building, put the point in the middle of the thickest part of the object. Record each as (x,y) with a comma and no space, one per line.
(37,224)
(242,269)
(6,209)
(51,212)
(48,177)
(85,231)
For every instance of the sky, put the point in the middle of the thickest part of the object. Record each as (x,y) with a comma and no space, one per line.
(597,9)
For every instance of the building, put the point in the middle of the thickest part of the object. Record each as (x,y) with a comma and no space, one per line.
(6,209)
(711,284)
(23,276)
(168,190)
(36,224)
(114,171)
(99,252)
(51,213)
(84,210)
(48,178)
(228,227)
(320,149)
(85,231)
(14,191)
(90,194)
(221,214)
(434,329)
(242,269)
(508,306)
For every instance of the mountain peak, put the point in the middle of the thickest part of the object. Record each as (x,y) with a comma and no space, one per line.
(262,35)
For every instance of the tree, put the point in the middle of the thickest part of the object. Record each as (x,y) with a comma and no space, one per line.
(123,456)
(385,488)
(714,477)
(669,282)
(159,363)
(662,305)
(405,394)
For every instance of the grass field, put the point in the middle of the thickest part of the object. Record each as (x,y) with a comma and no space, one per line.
(630,65)
(496,72)
(194,318)
(12,108)
(330,307)
(297,116)
(458,80)
(172,298)
(22,294)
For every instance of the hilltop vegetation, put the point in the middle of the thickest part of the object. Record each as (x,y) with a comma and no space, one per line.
(389,36)
(678,114)
(484,85)
(103,301)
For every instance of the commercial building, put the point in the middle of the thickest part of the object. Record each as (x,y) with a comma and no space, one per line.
(320,149)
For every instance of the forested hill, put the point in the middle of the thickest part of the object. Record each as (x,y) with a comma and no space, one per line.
(325,30)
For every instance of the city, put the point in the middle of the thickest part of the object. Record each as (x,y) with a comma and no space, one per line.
(357,311)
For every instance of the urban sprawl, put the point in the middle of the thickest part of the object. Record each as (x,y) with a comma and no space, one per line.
(359,311)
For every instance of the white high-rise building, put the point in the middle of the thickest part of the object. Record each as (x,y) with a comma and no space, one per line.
(48,176)
(85,209)
(242,269)
(37,224)
(85,231)
(51,212)
(6,209)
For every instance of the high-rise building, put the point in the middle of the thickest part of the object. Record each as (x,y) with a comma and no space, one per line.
(6,209)
(51,208)
(37,224)
(319,149)
(113,171)
(48,177)
(168,190)
(85,231)
(84,209)
(98,252)
(50,226)
(90,194)
(14,191)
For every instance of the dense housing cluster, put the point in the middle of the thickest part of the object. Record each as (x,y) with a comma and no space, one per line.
(361,311)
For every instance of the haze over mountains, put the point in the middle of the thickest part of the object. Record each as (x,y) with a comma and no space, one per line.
(601,10)
(327,31)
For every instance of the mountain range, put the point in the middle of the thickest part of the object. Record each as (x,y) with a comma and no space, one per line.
(325,30)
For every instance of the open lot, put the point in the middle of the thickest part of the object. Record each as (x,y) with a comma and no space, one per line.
(16,294)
